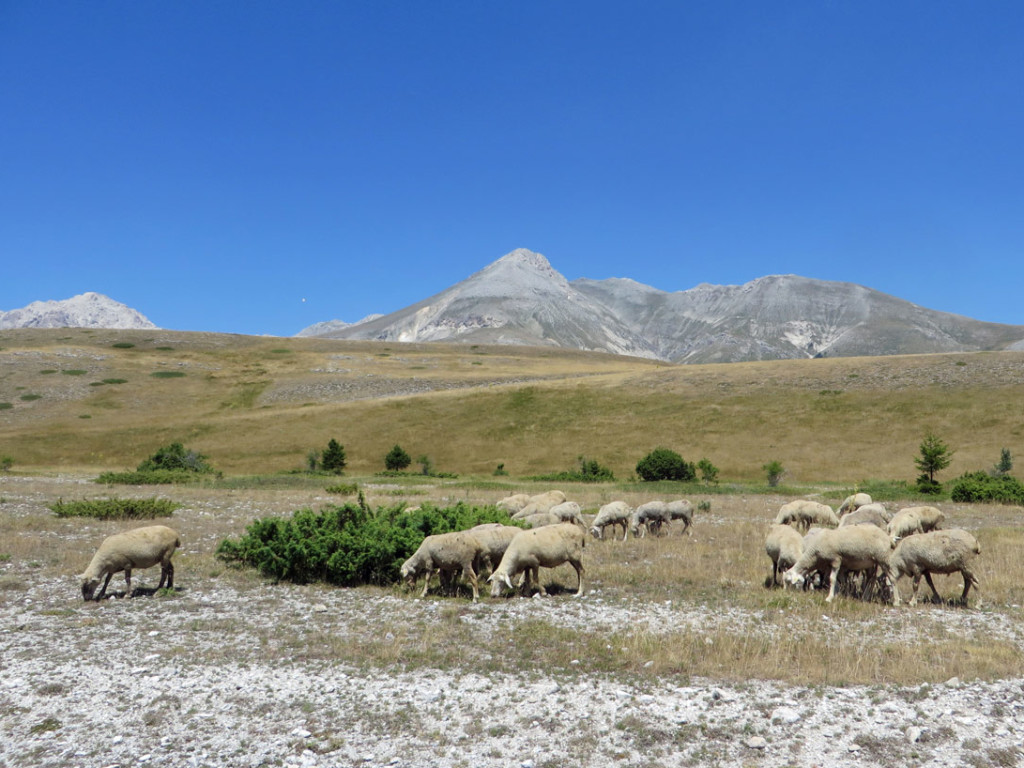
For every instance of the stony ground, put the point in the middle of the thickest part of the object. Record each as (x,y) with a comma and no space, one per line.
(203,679)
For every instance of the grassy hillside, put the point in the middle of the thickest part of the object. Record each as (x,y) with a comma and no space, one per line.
(99,400)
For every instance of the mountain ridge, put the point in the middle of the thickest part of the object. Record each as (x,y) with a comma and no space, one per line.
(522,299)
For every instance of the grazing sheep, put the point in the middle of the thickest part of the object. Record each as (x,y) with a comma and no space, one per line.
(540,520)
(513,503)
(853,503)
(946,551)
(568,512)
(545,501)
(804,513)
(613,514)
(531,508)
(681,509)
(911,520)
(532,550)
(649,517)
(495,539)
(783,545)
(445,552)
(869,514)
(138,548)
(853,548)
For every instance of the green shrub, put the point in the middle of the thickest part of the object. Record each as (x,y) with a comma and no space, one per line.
(590,471)
(153,477)
(346,545)
(983,487)
(175,457)
(116,509)
(170,464)
(343,489)
(6,406)
(665,464)
(122,345)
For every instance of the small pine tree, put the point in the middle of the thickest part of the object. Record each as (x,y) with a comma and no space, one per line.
(1005,465)
(775,472)
(397,459)
(333,458)
(708,472)
(426,465)
(935,457)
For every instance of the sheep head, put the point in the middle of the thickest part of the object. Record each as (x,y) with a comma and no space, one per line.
(88,586)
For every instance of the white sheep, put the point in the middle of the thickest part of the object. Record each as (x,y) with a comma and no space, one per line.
(538,548)
(138,548)
(513,503)
(911,520)
(540,520)
(445,552)
(853,548)
(803,513)
(495,538)
(613,514)
(681,509)
(530,509)
(545,501)
(568,512)
(946,551)
(649,517)
(784,546)
(853,503)
(868,514)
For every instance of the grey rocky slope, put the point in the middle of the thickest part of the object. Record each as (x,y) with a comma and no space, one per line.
(521,299)
(87,310)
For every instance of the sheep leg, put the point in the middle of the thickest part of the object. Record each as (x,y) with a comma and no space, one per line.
(970,580)
(928,578)
(536,578)
(103,591)
(578,565)
(426,582)
(625,526)
(128,582)
(833,578)
(166,575)
(468,568)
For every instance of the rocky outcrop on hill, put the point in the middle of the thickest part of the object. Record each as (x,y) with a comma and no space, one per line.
(87,310)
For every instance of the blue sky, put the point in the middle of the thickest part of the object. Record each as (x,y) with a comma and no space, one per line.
(255,167)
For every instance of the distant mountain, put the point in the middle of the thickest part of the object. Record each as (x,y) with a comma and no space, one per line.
(87,310)
(521,299)
(330,326)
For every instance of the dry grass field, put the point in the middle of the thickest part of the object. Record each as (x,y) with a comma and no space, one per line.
(104,400)
(690,613)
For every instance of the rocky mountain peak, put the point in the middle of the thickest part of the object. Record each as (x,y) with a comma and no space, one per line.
(86,310)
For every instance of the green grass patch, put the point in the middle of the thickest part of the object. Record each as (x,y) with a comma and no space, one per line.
(167,374)
(116,509)
(48,371)
(122,345)
(115,381)
(6,406)
(30,397)
(74,372)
